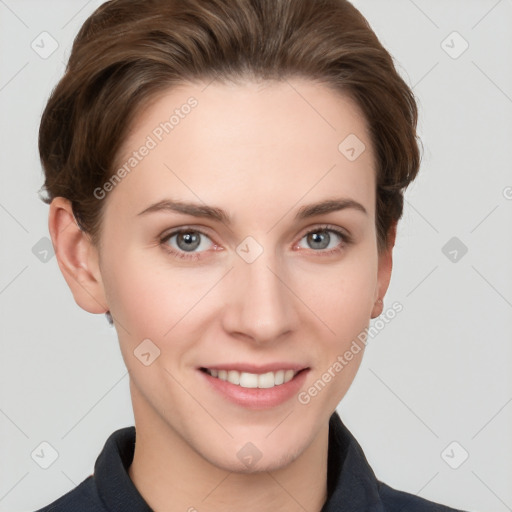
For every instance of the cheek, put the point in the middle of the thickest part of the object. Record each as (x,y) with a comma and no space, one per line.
(342,295)
(342,298)
(150,297)
(135,291)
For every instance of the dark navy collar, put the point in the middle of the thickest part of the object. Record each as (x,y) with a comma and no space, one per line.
(114,485)
(349,476)
(351,483)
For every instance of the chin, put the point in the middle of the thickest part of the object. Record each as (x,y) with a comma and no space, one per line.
(250,457)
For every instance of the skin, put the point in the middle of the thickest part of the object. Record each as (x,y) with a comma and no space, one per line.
(260,151)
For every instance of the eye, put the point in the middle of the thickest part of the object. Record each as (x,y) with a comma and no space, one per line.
(186,243)
(325,239)
(190,244)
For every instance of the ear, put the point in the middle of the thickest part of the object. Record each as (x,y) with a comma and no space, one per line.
(77,257)
(384,272)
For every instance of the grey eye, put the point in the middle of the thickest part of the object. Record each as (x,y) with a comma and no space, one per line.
(319,239)
(188,241)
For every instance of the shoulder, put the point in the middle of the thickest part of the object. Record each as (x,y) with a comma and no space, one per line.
(83,498)
(396,501)
(354,485)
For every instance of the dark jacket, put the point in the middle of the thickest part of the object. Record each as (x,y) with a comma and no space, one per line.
(351,483)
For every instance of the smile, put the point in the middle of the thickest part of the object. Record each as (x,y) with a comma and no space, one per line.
(253,380)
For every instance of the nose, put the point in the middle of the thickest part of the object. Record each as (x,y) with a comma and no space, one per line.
(260,306)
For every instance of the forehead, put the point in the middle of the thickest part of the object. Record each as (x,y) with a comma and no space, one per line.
(242,142)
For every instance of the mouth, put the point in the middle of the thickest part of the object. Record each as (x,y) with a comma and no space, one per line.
(263,387)
(266,380)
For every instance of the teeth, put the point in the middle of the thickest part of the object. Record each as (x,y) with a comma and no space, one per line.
(253,380)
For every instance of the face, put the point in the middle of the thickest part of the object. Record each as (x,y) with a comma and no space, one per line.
(248,273)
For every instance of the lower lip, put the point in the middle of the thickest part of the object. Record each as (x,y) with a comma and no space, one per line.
(257,398)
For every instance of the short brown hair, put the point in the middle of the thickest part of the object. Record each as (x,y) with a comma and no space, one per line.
(128,51)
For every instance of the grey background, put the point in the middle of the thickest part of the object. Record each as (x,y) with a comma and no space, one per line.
(438,373)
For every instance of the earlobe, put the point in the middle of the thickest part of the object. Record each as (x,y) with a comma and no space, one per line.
(77,257)
(378,307)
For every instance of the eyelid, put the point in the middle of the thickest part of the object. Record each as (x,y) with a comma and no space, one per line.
(203,230)
(168,234)
(344,233)
(346,241)
(341,232)
(186,227)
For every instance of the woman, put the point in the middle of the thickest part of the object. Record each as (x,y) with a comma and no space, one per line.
(225,179)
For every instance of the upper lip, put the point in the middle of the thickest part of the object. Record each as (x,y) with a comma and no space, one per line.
(253,368)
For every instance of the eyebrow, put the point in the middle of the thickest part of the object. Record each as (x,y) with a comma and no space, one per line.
(218,214)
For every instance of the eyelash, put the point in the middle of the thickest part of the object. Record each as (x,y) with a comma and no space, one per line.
(191,256)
